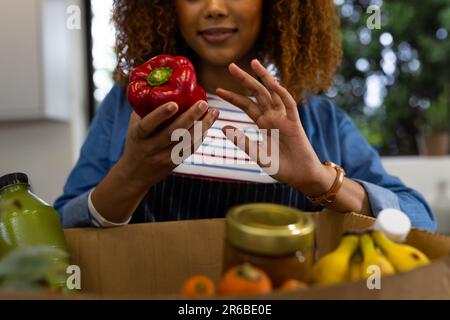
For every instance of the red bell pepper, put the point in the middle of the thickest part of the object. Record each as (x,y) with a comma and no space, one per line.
(162,79)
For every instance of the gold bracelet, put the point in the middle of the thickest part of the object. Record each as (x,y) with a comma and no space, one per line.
(329,197)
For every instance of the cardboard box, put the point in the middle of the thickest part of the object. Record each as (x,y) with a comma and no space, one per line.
(152,260)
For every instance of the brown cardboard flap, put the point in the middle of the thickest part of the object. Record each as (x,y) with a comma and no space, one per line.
(331,225)
(146,258)
(152,260)
(434,245)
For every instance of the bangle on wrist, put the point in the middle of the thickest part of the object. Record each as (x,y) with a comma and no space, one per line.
(330,196)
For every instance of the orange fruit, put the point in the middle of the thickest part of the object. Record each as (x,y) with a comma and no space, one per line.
(243,279)
(198,286)
(293,284)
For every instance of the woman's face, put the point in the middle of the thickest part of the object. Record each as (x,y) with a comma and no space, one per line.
(220,31)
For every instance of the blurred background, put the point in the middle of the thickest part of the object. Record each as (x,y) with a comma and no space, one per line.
(394,82)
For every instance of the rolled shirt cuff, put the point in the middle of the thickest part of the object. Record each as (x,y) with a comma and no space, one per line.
(75,214)
(380,198)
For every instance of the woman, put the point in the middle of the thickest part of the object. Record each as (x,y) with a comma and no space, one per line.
(125,172)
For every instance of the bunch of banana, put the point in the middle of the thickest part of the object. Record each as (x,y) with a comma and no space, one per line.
(402,256)
(356,253)
(355,270)
(370,256)
(334,267)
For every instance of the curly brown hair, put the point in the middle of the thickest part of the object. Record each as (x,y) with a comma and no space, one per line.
(301,39)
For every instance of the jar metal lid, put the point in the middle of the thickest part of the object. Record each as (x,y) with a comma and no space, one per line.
(269,229)
(13,178)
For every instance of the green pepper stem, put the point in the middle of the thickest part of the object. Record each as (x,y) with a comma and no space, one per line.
(159,76)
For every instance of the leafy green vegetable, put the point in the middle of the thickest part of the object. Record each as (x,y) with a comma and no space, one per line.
(33,268)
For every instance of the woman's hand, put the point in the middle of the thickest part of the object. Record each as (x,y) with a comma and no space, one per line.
(146,159)
(275,108)
(147,155)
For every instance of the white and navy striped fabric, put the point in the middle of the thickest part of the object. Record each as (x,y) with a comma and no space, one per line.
(217,157)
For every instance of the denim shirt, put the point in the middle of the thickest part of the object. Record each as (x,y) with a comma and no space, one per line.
(329,129)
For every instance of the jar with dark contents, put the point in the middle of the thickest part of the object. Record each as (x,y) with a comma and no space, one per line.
(276,238)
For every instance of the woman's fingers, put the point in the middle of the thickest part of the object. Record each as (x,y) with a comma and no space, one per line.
(198,134)
(250,147)
(288,101)
(256,88)
(184,121)
(244,103)
(280,96)
(269,94)
(146,125)
(268,81)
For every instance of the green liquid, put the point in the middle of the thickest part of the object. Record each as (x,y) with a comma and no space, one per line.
(26,220)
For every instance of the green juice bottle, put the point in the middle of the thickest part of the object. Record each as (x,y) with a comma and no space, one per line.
(26,220)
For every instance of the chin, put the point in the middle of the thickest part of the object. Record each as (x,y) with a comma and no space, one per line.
(220,59)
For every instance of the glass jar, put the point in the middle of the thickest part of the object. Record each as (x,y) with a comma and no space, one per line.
(276,238)
(26,220)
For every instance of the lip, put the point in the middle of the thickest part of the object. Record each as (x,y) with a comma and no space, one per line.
(217,35)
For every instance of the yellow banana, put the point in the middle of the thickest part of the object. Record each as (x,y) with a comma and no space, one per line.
(355,272)
(334,267)
(403,257)
(372,257)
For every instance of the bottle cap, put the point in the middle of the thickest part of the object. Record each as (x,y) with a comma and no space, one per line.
(394,224)
(13,178)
